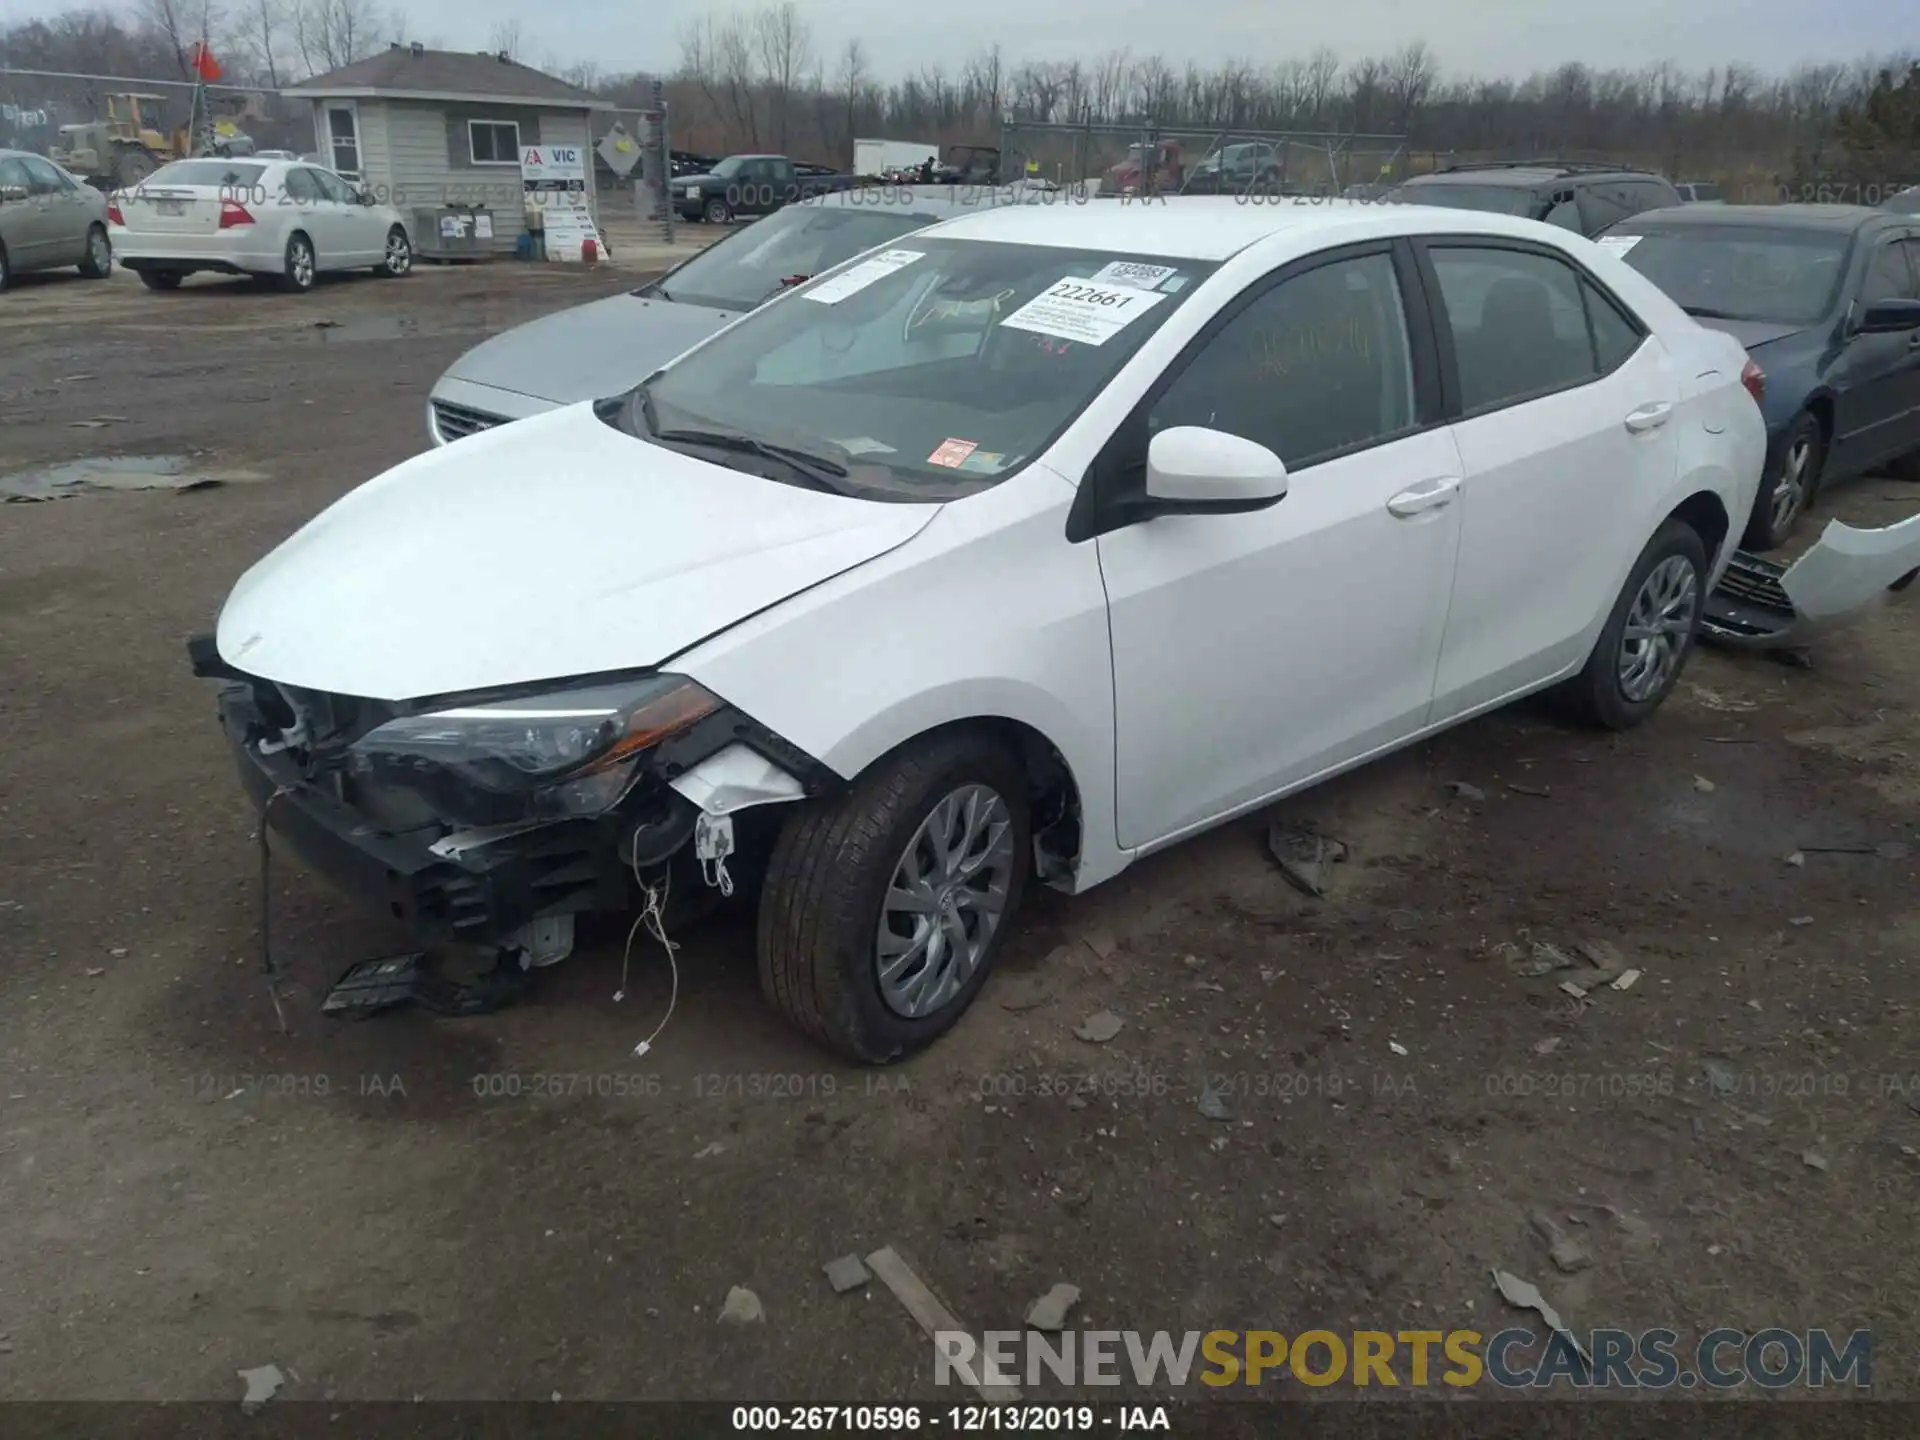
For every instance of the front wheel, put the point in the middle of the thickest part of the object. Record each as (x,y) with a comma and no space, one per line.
(1789,485)
(398,260)
(301,268)
(1645,643)
(885,908)
(718,211)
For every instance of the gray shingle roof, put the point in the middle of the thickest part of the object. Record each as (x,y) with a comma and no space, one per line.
(447,73)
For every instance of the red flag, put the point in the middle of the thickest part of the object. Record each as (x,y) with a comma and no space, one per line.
(201,58)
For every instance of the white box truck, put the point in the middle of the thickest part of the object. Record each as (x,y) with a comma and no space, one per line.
(877,157)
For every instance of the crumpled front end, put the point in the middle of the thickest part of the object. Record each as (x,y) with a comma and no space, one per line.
(475,822)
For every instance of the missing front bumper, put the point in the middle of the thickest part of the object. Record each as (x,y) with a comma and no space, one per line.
(1762,605)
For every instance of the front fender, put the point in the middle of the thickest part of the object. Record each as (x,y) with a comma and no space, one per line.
(987,614)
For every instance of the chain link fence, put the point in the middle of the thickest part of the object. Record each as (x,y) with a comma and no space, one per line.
(1153,159)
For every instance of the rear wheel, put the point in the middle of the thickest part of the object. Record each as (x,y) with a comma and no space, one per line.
(885,908)
(160,279)
(1789,485)
(398,260)
(1645,643)
(99,262)
(301,267)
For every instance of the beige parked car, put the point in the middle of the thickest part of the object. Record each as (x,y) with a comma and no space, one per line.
(49,219)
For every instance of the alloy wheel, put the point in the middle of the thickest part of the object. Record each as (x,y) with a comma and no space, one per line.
(945,901)
(1659,624)
(100,251)
(300,262)
(399,254)
(1790,488)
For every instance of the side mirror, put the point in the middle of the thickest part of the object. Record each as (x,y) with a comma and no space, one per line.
(1209,471)
(1886,317)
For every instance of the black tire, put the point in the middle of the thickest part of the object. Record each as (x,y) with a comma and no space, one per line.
(820,908)
(295,278)
(1903,582)
(1766,531)
(1596,696)
(716,211)
(396,264)
(161,279)
(99,262)
(6,269)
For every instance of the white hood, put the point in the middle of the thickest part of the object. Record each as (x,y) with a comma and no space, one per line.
(546,549)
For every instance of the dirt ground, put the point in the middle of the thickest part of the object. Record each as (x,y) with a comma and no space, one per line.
(405,1207)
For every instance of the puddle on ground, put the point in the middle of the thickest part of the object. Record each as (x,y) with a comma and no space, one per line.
(108,474)
(370,327)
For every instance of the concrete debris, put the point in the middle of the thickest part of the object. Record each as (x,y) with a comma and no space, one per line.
(1396,1047)
(849,1272)
(1539,792)
(262,1385)
(1049,1312)
(1813,1161)
(1101,943)
(709,1150)
(1303,857)
(1567,1254)
(1797,860)
(743,1307)
(1546,959)
(934,1318)
(1100,1027)
(1703,785)
(1526,1296)
(1463,791)
(1546,1046)
(1800,921)
(1213,1105)
(1625,982)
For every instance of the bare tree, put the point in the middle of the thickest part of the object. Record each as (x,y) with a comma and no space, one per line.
(785,42)
(1409,76)
(332,33)
(508,39)
(853,83)
(265,20)
(734,54)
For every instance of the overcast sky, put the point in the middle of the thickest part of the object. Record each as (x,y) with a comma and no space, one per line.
(1486,37)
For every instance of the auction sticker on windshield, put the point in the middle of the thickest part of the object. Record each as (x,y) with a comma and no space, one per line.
(953,453)
(852,282)
(1619,244)
(1074,309)
(1133,274)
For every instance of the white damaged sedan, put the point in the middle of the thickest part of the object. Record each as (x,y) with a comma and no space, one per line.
(1034,544)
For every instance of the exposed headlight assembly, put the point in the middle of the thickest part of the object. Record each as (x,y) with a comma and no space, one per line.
(568,753)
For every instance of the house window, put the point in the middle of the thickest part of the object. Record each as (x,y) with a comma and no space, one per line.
(343,136)
(494,142)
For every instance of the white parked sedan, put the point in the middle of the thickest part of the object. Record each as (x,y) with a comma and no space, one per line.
(253,217)
(1027,547)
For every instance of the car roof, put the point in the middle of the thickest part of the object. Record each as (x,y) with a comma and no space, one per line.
(1217,228)
(942,202)
(1840,219)
(1523,173)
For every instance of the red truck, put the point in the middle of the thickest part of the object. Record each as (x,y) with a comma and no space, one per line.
(1148,169)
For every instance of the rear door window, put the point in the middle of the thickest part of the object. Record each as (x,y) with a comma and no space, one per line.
(1518,322)
(303,187)
(1889,277)
(42,178)
(13,175)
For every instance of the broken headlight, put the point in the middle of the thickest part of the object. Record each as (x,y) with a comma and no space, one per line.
(549,756)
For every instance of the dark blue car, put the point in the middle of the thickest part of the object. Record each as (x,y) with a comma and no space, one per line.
(1826,298)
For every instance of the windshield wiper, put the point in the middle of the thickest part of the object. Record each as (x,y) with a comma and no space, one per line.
(1701,312)
(820,472)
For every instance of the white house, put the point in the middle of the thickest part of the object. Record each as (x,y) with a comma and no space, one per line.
(423,129)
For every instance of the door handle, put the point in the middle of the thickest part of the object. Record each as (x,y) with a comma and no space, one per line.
(1649,417)
(1428,495)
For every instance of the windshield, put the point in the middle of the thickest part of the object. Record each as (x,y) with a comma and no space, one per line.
(207,172)
(788,246)
(923,373)
(727,166)
(1742,272)
(1500,199)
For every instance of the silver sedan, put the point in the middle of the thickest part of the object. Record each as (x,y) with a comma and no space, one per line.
(48,219)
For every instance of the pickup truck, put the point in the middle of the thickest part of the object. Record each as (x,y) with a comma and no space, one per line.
(744,185)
